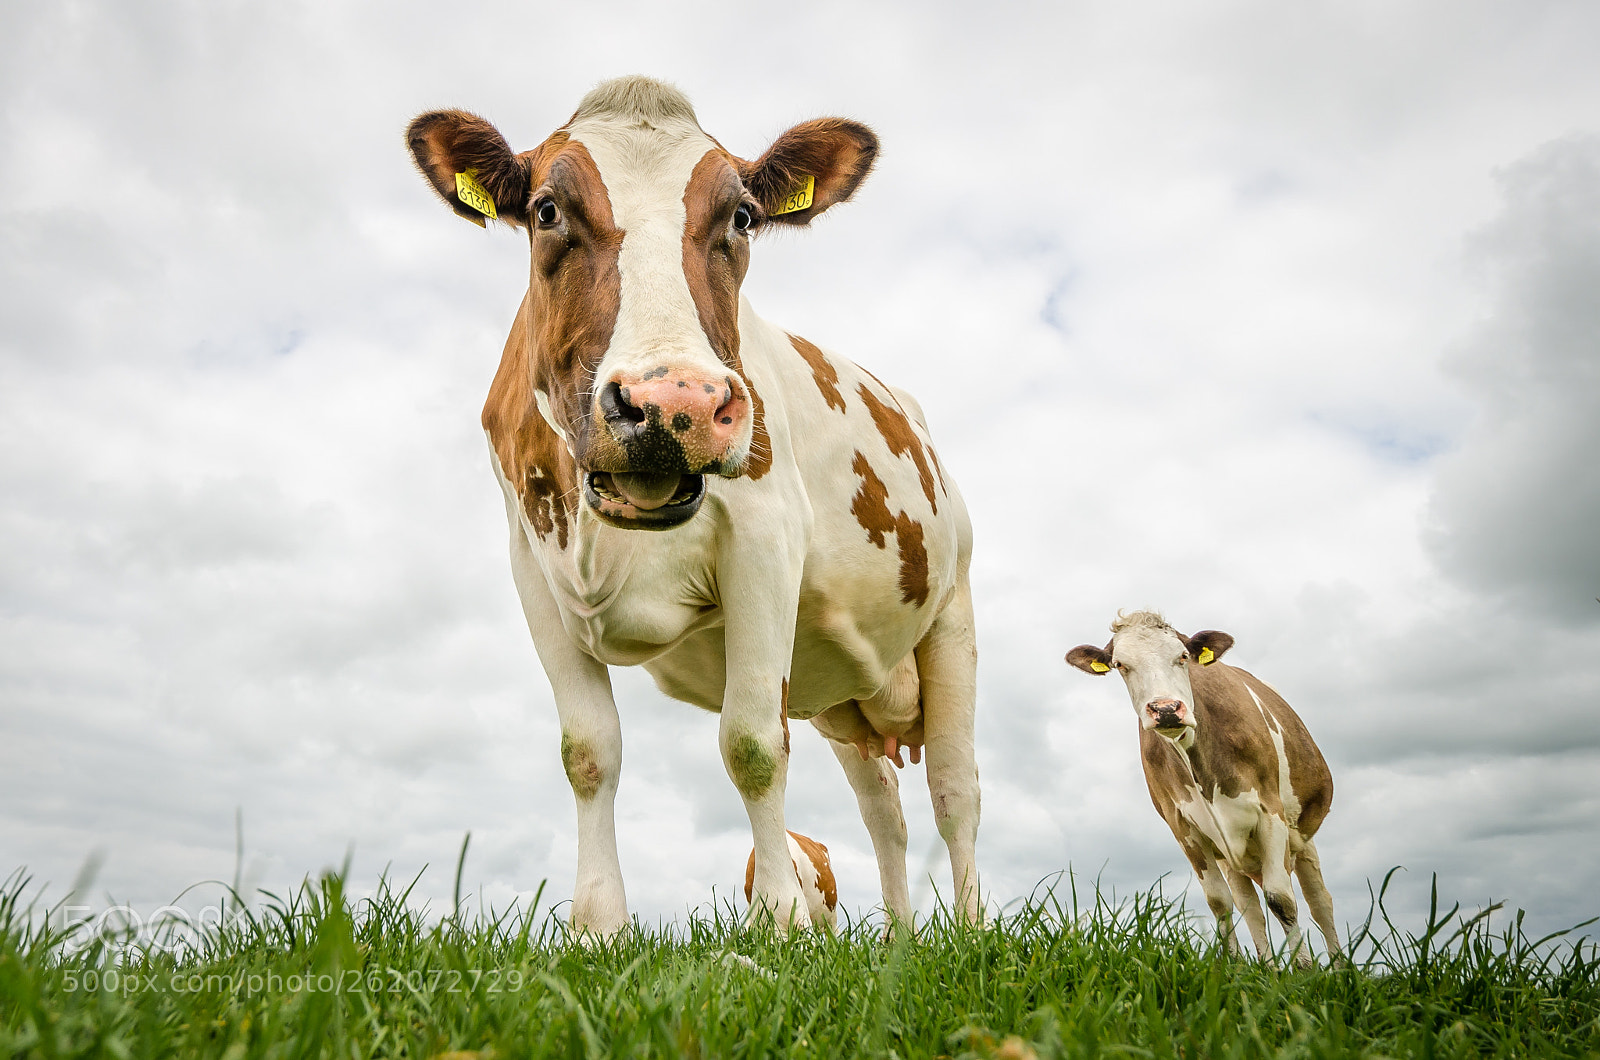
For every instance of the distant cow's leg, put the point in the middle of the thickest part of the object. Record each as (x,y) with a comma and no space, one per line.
(1276,885)
(1244,896)
(1219,898)
(1309,870)
(591,745)
(947,662)
(760,598)
(878,794)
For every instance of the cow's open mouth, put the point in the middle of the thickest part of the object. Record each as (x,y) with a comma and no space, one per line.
(643,501)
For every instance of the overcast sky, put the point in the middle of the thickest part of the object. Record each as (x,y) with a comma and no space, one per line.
(1284,320)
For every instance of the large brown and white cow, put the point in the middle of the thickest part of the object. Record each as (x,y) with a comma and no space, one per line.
(810,555)
(1231,769)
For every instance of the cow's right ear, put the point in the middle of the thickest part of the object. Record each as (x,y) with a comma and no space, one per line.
(470,166)
(1089,659)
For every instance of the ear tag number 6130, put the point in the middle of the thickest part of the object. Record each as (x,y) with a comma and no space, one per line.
(475,195)
(799,199)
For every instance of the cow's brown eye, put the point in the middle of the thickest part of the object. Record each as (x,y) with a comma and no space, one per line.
(743,219)
(546,213)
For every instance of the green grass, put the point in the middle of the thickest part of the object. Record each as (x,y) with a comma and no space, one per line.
(1135,978)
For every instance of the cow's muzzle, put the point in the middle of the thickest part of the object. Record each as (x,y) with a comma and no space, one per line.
(643,501)
(1167,715)
(667,420)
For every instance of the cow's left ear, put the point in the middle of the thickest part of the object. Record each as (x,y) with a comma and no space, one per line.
(1207,646)
(810,168)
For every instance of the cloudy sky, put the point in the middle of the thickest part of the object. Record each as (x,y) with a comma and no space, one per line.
(1284,320)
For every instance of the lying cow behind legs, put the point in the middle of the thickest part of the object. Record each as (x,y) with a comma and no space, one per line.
(762,525)
(1230,768)
(815,874)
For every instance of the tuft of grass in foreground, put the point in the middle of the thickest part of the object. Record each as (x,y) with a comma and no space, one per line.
(317,974)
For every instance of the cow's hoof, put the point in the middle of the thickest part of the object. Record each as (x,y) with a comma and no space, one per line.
(643,502)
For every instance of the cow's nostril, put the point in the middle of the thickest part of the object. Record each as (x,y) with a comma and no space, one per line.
(724,412)
(615,406)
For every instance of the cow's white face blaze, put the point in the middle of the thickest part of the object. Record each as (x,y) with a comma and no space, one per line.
(1154,664)
(639,227)
(667,406)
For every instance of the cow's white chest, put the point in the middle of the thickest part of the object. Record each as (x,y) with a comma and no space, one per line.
(1227,823)
(625,596)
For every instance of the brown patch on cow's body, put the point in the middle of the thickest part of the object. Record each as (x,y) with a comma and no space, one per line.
(531,456)
(895,426)
(822,370)
(545,500)
(870,506)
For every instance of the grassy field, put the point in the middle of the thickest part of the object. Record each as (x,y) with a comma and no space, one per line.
(317,974)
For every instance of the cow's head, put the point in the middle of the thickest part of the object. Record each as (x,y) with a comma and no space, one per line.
(1154,660)
(640,227)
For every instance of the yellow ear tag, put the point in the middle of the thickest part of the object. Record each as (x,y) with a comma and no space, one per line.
(475,195)
(1099,667)
(799,199)
(1207,656)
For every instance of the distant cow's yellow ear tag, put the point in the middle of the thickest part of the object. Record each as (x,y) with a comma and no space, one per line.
(799,199)
(475,195)
(1207,656)
(1099,667)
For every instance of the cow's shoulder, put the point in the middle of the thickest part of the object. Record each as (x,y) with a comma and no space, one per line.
(1313,781)
(532,457)
(1232,736)
(1250,722)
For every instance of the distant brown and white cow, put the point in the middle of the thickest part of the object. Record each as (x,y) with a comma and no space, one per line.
(815,873)
(812,553)
(1231,769)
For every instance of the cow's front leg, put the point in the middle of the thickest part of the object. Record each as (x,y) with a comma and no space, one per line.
(1244,896)
(1277,887)
(1219,898)
(760,595)
(591,746)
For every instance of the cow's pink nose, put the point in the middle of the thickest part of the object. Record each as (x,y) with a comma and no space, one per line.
(1165,712)
(669,419)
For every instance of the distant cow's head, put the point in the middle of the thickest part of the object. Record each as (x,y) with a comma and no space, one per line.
(1154,661)
(640,226)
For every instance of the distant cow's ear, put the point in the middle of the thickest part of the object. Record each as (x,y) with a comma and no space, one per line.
(445,143)
(810,168)
(1089,659)
(1209,645)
